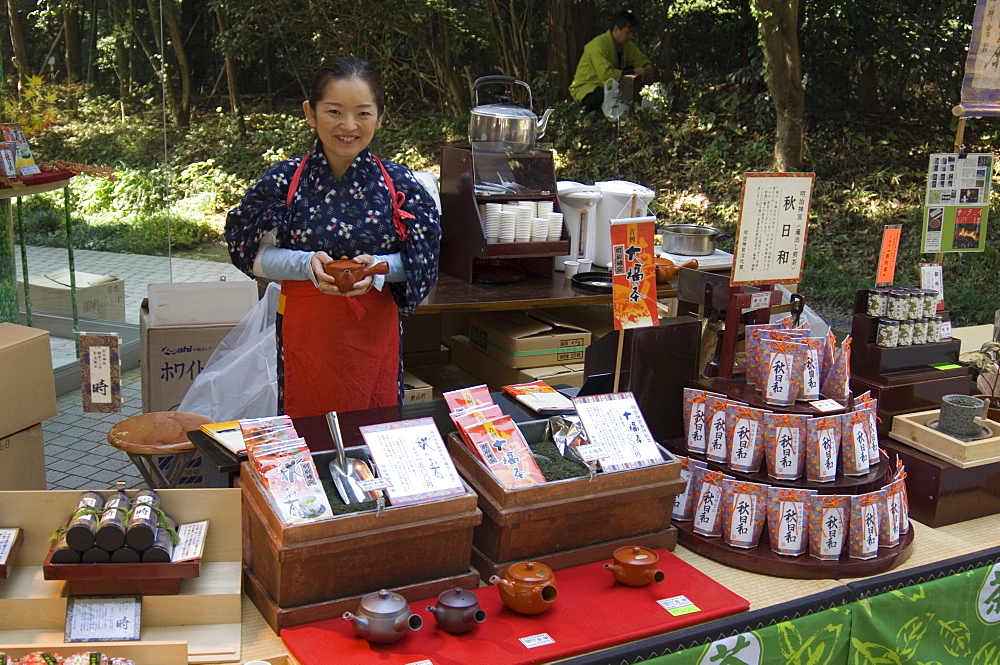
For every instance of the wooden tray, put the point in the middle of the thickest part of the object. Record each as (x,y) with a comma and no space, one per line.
(912,430)
(762,560)
(147,579)
(6,564)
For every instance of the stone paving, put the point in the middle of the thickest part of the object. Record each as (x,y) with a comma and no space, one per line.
(77,454)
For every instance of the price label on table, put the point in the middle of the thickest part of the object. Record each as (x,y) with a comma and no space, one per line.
(373,484)
(192,541)
(425,661)
(591,452)
(539,640)
(826,405)
(760,300)
(678,605)
(7,537)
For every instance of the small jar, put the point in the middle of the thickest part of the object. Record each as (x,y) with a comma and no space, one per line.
(888,333)
(915,305)
(920,331)
(878,302)
(930,302)
(905,332)
(933,329)
(898,306)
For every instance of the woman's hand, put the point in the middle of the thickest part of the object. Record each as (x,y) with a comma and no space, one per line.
(328,284)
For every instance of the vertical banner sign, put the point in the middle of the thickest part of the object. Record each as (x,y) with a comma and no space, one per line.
(981,85)
(100,372)
(634,272)
(771,236)
(957,203)
(888,254)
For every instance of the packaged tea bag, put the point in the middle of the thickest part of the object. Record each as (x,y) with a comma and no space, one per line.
(696,419)
(855,440)
(829,516)
(787,525)
(888,516)
(744,509)
(783,378)
(837,382)
(746,437)
(785,444)
(717,445)
(862,542)
(752,341)
(466,398)
(829,356)
(684,500)
(707,512)
(822,448)
(812,369)
(903,499)
(473,416)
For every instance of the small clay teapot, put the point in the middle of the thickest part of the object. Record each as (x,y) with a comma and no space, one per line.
(383,617)
(528,588)
(666,269)
(635,566)
(348,272)
(457,611)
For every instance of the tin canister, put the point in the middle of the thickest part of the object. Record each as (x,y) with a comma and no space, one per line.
(930,302)
(920,331)
(905,332)
(915,304)
(933,329)
(898,306)
(878,302)
(888,333)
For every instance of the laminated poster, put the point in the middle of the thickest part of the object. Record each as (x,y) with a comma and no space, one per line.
(956,205)
(771,235)
(615,422)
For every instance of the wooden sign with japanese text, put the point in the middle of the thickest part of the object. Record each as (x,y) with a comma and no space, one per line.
(771,236)
(100,372)
(633,270)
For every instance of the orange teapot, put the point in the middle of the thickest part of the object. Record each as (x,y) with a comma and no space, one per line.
(347,273)
(666,269)
(527,588)
(635,566)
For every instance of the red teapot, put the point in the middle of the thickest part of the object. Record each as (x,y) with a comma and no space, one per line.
(347,273)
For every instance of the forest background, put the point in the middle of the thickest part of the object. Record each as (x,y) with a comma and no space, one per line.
(191,101)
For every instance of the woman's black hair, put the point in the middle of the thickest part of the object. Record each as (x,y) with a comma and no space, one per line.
(346,68)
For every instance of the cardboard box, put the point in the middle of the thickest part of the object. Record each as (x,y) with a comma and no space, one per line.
(416,390)
(28,389)
(520,340)
(97,296)
(495,374)
(22,460)
(598,319)
(179,327)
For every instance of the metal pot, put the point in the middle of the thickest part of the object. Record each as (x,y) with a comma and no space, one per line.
(515,127)
(691,239)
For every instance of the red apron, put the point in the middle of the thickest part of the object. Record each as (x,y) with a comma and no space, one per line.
(340,354)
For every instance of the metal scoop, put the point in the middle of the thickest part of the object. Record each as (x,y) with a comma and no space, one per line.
(347,472)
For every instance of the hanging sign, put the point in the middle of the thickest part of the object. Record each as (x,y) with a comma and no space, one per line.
(771,236)
(100,372)
(981,85)
(957,203)
(633,270)
(888,254)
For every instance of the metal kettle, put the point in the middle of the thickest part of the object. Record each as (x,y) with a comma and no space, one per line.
(515,127)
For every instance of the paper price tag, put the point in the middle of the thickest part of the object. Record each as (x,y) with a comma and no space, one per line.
(7,537)
(826,405)
(760,300)
(374,484)
(192,542)
(539,640)
(591,452)
(425,661)
(946,330)
(678,605)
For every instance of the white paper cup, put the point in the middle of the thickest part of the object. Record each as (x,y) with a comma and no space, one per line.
(570,268)
(585,265)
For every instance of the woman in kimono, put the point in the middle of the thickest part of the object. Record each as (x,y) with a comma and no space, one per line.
(339,350)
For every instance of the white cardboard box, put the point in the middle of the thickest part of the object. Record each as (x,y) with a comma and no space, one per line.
(97,296)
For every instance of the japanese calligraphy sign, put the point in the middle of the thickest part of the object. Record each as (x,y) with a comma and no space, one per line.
(887,254)
(100,372)
(615,422)
(981,85)
(411,455)
(633,270)
(956,204)
(771,236)
(103,618)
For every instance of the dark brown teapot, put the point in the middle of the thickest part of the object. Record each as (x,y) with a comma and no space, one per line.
(347,273)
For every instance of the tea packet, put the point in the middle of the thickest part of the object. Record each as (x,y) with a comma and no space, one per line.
(837,381)
(783,379)
(829,516)
(888,516)
(717,445)
(696,419)
(812,368)
(746,437)
(855,440)
(708,508)
(502,448)
(744,509)
(822,448)
(684,501)
(466,418)
(785,444)
(899,486)
(466,398)
(863,530)
(787,523)
(869,405)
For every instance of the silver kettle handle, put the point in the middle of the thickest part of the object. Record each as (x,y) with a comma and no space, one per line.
(500,78)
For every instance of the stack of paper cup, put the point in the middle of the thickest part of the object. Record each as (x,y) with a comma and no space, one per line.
(544,208)
(508,220)
(539,229)
(529,207)
(555,224)
(522,228)
(491,221)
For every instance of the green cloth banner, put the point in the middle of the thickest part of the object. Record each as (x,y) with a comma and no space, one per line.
(955,619)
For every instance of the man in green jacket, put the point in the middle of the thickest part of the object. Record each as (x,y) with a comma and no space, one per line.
(608,56)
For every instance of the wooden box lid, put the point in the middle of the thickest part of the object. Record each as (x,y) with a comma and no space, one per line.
(913,429)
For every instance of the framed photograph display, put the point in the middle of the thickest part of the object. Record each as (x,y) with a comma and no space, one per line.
(957,203)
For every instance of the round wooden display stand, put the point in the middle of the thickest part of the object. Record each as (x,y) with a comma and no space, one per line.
(762,559)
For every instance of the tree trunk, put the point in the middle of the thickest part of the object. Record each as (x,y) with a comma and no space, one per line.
(92,43)
(71,32)
(570,25)
(868,96)
(512,25)
(666,74)
(778,21)
(17,39)
(159,61)
(183,119)
(233,84)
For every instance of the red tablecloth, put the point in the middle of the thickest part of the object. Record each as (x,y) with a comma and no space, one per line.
(591,612)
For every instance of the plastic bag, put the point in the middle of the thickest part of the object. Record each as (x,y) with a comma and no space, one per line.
(613,108)
(240,379)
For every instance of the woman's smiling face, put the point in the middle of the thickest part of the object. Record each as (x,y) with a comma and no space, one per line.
(345,120)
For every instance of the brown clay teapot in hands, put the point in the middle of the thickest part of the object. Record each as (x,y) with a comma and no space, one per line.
(348,272)
(635,566)
(528,588)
